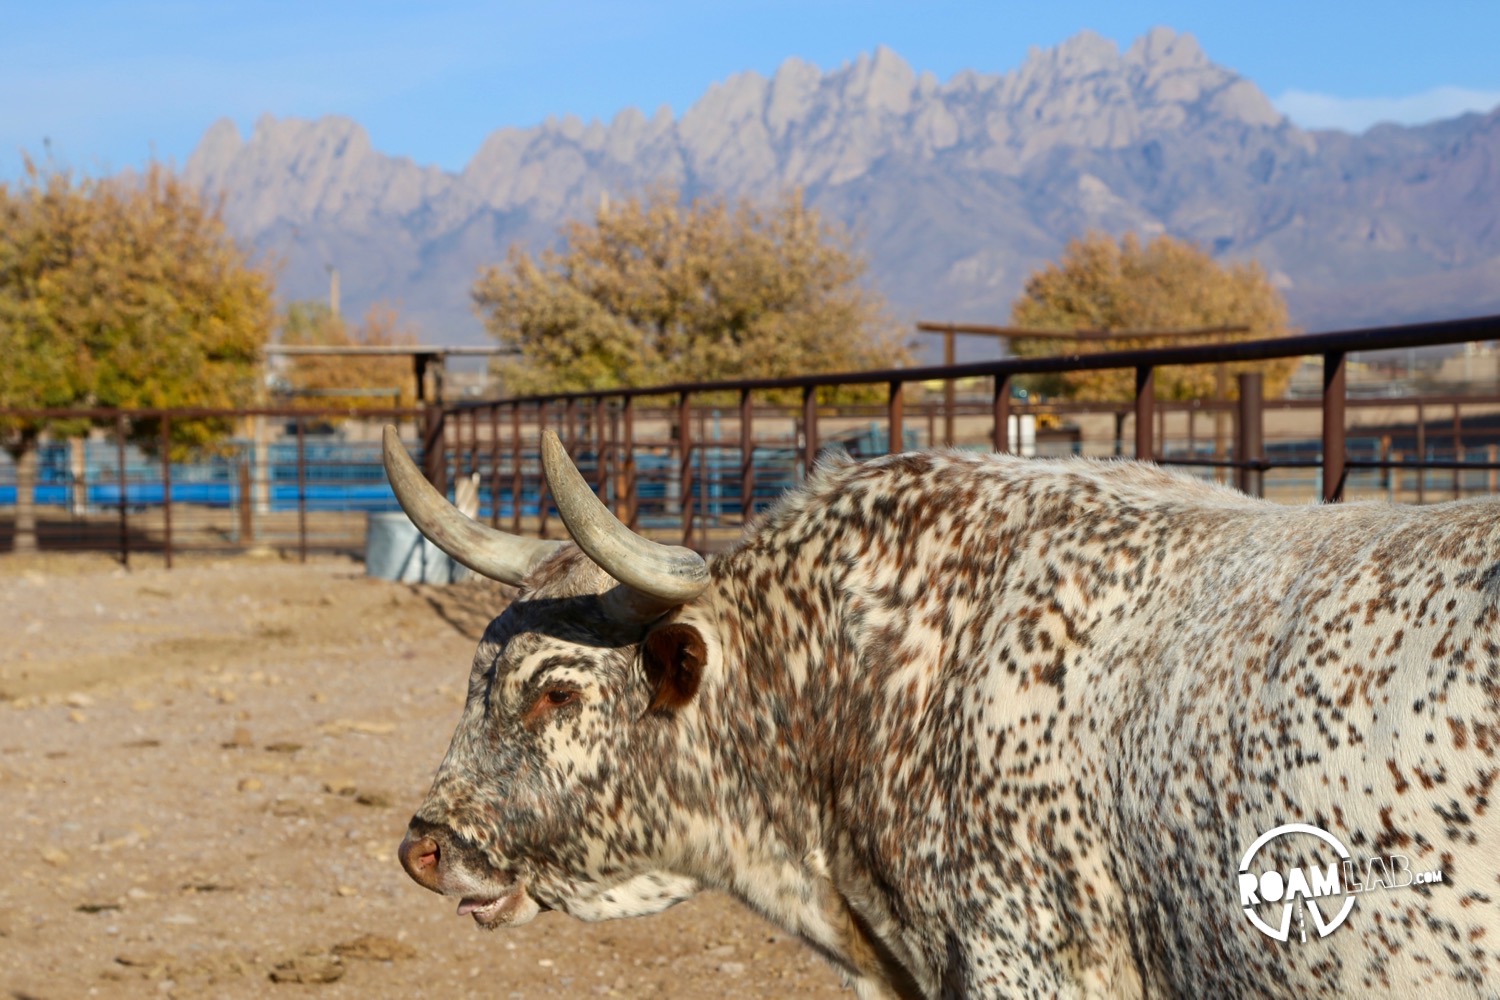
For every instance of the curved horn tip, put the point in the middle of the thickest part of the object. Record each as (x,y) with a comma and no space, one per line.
(487,551)
(665,575)
(389,438)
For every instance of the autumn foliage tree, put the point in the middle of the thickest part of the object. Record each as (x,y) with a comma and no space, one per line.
(1164,285)
(123,292)
(354,381)
(654,290)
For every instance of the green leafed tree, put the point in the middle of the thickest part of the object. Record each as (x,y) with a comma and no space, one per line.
(120,292)
(1164,285)
(656,290)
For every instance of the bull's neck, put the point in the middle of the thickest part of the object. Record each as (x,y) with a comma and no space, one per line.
(771,712)
(777,720)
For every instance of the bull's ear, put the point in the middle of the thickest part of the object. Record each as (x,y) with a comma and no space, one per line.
(674,657)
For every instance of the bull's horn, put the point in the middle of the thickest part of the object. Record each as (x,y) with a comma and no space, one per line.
(662,576)
(498,555)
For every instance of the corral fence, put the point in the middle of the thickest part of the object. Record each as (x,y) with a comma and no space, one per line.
(287,481)
(693,462)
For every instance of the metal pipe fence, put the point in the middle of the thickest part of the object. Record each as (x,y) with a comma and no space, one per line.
(694,462)
(290,482)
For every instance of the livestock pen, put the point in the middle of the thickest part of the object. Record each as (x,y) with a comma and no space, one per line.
(692,462)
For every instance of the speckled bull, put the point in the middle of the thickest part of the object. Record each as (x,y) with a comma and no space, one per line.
(997,727)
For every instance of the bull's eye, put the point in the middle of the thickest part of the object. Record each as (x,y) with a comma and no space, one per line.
(550,701)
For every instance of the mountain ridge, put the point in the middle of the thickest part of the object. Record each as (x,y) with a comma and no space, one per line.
(957,189)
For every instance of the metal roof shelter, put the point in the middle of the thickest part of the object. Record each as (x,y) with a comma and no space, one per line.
(422,357)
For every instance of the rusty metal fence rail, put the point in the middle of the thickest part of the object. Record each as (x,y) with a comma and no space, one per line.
(288,482)
(693,462)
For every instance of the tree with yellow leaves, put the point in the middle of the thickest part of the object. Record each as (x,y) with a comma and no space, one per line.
(1164,285)
(655,290)
(125,292)
(354,381)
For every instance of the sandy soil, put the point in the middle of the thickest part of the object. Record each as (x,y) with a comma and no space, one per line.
(205,774)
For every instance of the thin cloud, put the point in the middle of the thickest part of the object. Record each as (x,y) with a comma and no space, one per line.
(1355,114)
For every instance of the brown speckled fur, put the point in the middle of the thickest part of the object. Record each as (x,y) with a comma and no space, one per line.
(987,726)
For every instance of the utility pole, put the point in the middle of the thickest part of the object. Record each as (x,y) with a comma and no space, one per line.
(333,291)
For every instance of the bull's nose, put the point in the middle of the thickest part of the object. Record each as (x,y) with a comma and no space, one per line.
(420,856)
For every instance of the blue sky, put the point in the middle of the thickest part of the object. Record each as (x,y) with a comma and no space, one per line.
(108,84)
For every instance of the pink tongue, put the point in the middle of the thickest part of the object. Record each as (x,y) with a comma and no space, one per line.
(470,905)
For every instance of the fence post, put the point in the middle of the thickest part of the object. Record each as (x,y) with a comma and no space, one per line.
(685,467)
(473,466)
(616,466)
(516,482)
(1458,455)
(1249,444)
(895,419)
(705,476)
(809,429)
(601,457)
(434,457)
(1421,454)
(494,465)
(124,507)
(747,456)
(543,491)
(301,489)
(243,485)
(1334,457)
(632,511)
(1002,413)
(166,486)
(1145,402)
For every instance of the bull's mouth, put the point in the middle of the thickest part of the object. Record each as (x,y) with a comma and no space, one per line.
(511,909)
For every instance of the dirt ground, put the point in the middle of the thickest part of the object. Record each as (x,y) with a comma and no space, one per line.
(205,773)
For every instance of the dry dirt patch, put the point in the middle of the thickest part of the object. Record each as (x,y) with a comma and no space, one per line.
(206,772)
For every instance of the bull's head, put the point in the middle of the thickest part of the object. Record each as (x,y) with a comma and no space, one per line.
(552,794)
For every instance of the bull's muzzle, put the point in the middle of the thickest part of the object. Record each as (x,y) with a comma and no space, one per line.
(422,858)
(438,859)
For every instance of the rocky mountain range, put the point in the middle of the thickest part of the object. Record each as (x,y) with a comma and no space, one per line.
(956,190)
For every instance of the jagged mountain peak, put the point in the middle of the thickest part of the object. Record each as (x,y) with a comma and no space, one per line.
(958,187)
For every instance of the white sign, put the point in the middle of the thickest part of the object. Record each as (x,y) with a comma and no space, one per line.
(1330,885)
